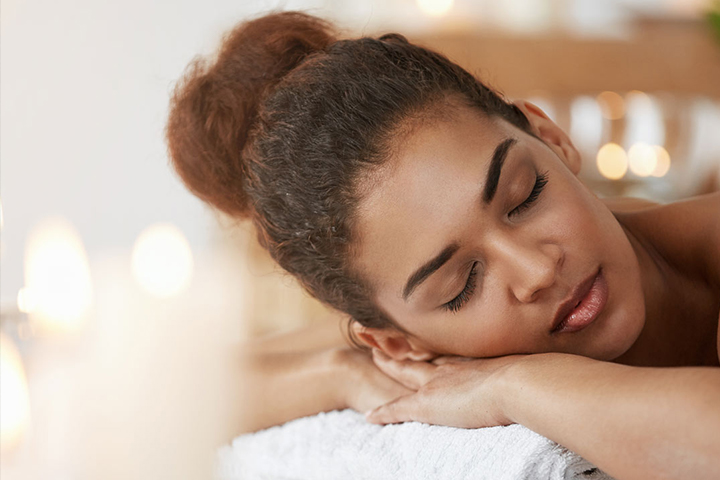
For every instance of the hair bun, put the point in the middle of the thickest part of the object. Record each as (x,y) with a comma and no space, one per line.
(215,103)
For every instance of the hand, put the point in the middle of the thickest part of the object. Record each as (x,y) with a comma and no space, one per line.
(364,386)
(451,391)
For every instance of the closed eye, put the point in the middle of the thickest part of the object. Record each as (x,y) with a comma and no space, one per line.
(457,303)
(454,305)
(541,180)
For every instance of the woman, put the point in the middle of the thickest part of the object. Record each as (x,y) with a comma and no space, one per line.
(492,286)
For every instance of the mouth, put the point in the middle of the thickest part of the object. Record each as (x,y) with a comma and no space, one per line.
(583,305)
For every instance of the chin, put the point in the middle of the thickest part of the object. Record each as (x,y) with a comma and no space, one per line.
(621,332)
(625,311)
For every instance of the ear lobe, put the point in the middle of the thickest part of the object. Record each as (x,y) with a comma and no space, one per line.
(394,343)
(553,136)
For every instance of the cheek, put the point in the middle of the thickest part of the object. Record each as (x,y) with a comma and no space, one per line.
(626,301)
(483,331)
(625,309)
(628,321)
(584,225)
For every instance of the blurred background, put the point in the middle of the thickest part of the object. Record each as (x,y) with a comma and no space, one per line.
(125,301)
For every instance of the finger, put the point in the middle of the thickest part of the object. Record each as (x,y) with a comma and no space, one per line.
(411,374)
(397,411)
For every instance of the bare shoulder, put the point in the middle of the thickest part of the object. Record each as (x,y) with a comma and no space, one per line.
(701,205)
(628,204)
(686,233)
(330,332)
(696,223)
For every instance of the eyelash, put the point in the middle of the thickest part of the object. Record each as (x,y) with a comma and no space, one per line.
(541,180)
(458,302)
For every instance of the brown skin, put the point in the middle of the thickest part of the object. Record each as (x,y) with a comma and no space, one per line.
(682,325)
(671,251)
(661,263)
(531,261)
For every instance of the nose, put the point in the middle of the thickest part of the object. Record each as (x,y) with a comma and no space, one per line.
(530,269)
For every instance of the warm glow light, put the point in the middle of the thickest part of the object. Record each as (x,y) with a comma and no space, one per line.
(435,8)
(642,159)
(612,161)
(663,162)
(162,261)
(586,123)
(58,290)
(612,105)
(14,399)
(644,122)
(522,16)
(637,95)
(25,301)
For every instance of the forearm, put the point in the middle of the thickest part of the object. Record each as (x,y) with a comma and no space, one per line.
(278,387)
(633,423)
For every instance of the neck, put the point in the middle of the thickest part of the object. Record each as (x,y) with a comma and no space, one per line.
(675,332)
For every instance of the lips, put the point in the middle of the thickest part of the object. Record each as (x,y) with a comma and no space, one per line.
(582,306)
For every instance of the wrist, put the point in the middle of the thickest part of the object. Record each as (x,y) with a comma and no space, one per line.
(512,384)
(518,382)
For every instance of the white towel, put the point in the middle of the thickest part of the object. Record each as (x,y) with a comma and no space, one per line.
(341,445)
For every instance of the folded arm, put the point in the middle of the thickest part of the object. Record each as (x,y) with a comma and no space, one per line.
(632,422)
(306,372)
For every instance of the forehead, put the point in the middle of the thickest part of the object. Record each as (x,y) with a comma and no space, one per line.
(415,202)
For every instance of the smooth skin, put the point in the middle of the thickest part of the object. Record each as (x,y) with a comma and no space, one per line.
(526,263)
(637,391)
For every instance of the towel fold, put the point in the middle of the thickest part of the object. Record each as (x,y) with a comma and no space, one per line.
(341,445)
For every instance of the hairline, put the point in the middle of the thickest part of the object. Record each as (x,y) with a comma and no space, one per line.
(398,135)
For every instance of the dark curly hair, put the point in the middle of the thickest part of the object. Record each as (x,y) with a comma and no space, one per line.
(287,122)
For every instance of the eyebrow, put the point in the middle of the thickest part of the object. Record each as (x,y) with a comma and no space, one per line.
(429,268)
(488,194)
(496,165)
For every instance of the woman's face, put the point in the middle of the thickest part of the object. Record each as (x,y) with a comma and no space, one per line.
(502,267)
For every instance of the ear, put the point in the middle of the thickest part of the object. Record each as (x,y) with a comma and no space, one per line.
(553,136)
(394,343)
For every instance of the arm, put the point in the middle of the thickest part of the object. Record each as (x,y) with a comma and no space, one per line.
(281,386)
(306,372)
(632,422)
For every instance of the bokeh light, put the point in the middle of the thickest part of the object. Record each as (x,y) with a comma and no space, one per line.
(521,16)
(644,120)
(612,161)
(663,162)
(58,288)
(162,261)
(642,159)
(14,398)
(586,123)
(612,105)
(435,8)
(25,301)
